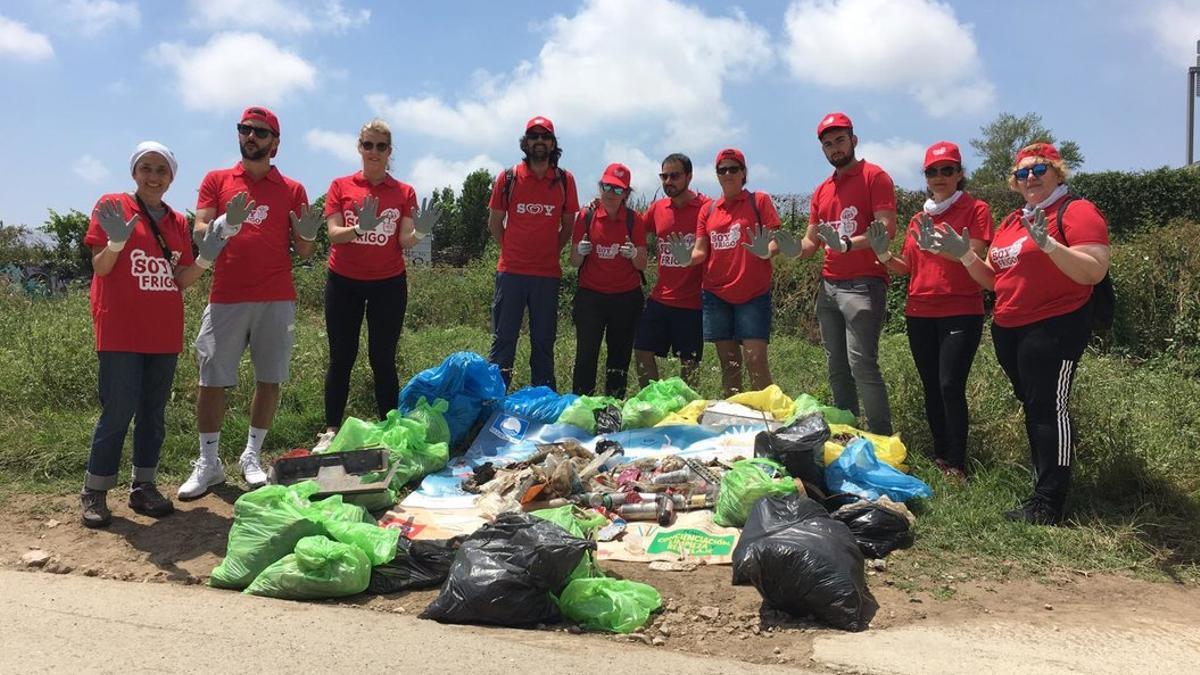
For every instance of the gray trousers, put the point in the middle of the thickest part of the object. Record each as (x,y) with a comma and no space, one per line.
(851,315)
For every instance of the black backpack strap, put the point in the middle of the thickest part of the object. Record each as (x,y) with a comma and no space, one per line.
(510,176)
(158,235)
(1062,210)
(561,177)
(754,205)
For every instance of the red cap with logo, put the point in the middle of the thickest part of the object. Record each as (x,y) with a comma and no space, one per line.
(1043,150)
(539,121)
(256,112)
(942,151)
(731,153)
(616,174)
(834,120)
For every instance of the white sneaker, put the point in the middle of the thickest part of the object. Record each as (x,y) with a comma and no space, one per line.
(252,470)
(205,474)
(324,440)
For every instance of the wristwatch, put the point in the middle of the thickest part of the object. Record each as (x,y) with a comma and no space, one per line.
(848,242)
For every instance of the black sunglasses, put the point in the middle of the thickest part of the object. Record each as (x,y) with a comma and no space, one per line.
(1038,170)
(535,136)
(946,171)
(722,170)
(670,176)
(257,132)
(370,147)
(618,191)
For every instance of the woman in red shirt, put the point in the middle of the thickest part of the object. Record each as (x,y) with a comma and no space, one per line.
(1042,319)
(609,249)
(944,311)
(141,261)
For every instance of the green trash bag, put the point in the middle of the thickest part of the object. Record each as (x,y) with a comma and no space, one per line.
(580,523)
(351,524)
(267,523)
(405,441)
(582,413)
(655,401)
(748,481)
(602,603)
(806,404)
(319,568)
(437,430)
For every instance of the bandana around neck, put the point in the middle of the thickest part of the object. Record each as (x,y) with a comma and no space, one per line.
(934,208)
(1058,194)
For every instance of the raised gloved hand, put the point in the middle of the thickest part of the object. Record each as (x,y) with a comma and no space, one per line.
(368,215)
(952,243)
(787,242)
(759,242)
(1038,230)
(879,240)
(680,250)
(829,234)
(112,221)
(307,222)
(210,243)
(426,218)
(628,250)
(925,232)
(584,247)
(236,213)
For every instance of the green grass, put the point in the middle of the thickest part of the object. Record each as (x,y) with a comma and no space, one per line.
(1135,500)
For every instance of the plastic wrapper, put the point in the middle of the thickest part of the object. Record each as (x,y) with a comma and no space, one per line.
(466,381)
(857,470)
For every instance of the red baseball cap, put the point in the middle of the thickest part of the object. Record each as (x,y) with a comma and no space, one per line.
(1043,150)
(539,121)
(257,112)
(616,174)
(942,151)
(834,120)
(731,153)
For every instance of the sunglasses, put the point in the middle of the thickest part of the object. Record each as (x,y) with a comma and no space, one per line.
(372,147)
(257,132)
(671,176)
(946,171)
(723,170)
(618,191)
(1038,170)
(536,136)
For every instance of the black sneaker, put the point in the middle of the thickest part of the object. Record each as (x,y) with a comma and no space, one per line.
(1043,514)
(145,499)
(95,508)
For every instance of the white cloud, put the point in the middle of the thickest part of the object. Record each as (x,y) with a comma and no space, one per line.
(642,169)
(643,62)
(429,173)
(216,76)
(92,17)
(90,169)
(1173,25)
(289,16)
(899,157)
(917,46)
(341,145)
(17,41)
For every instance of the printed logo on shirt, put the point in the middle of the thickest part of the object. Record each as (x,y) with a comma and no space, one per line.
(723,241)
(848,225)
(665,259)
(535,209)
(388,226)
(608,252)
(152,272)
(258,215)
(1005,257)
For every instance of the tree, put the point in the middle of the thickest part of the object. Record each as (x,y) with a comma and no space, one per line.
(1000,141)
(473,211)
(71,255)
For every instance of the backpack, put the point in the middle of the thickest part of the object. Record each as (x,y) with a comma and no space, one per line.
(1104,295)
(510,178)
(587,232)
(712,206)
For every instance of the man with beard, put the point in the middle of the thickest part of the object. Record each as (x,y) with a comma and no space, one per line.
(531,216)
(672,321)
(852,299)
(253,300)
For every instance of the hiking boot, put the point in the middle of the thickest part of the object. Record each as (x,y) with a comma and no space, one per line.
(95,508)
(324,440)
(145,499)
(1022,512)
(252,469)
(1044,514)
(205,474)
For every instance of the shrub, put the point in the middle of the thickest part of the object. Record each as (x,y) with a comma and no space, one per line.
(1157,277)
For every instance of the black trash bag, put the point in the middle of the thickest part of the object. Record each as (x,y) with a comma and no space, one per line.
(877,530)
(804,562)
(418,564)
(799,447)
(505,572)
(608,420)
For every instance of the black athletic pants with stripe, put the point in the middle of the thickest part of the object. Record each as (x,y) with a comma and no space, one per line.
(1040,360)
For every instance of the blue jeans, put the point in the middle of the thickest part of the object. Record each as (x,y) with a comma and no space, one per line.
(515,292)
(131,387)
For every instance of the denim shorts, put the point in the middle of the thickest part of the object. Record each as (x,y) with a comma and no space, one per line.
(750,320)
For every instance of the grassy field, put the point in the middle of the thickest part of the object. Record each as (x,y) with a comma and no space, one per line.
(1135,503)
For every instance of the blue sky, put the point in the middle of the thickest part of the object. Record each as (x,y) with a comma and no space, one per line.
(623,80)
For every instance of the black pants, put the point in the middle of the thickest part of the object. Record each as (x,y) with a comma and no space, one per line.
(346,300)
(1040,360)
(943,349)
(514,293)
(612,317)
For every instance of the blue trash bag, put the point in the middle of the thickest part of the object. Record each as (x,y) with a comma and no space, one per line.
(466,381)
(541,405)
(857,470)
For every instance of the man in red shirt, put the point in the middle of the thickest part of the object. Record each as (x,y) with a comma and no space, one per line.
(532,211)
(252,302)
(672,319)
(852,299)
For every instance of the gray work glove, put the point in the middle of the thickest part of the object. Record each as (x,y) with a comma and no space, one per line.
(307,222)
(879,240)
(584,247)
(836,242)
(628,250)
(426,218)
(236,213)
(368,215)
(1038,231)
(789,245)
(925,232)
(680,250)
(954,244)
(759,242)
(211,243)
(112,221)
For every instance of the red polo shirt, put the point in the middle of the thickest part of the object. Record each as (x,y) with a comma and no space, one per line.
(731,272)
(1029,286)
(849,202)
(605,270)
(377,254)
(939,286)
(534,213)
(137,307)
(676,286)
(256,264)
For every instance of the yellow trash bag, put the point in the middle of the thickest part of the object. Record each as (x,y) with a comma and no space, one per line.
(889,449)
(688,414)
(771,400)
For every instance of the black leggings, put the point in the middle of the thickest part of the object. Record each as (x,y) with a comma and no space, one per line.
(943,349)
(612,317)
(346,300)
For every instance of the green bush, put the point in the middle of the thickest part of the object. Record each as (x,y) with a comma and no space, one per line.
(1157,277)
(1141,201)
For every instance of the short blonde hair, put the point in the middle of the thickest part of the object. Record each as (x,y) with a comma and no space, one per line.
(1055,162)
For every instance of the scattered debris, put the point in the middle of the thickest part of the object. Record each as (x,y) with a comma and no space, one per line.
(35,558)
(709,612)
(674,565)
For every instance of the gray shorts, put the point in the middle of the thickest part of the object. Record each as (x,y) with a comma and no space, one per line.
(226,329)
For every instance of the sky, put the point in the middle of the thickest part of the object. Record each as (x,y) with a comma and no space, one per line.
(623,80)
